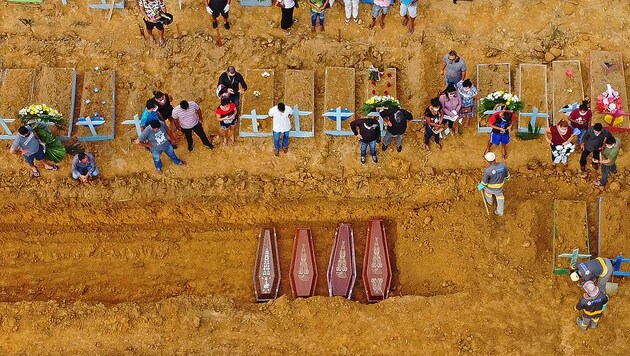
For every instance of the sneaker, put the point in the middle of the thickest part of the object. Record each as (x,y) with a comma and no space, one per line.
(159,170)
(399,148)
(191,147)
(363,160)
(215,24)
(384,147)
(226,25)
(356,20)
(182,163)
(496,212)
(374,159)
(579,323)
(347,21)
(285,150)
(276,153)
(593,325)
(209,146)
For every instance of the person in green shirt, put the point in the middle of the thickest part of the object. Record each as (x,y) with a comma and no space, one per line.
(609,158)
(318,8)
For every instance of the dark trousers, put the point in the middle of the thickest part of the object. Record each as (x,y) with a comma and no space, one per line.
(287,18)
(428,133)
(585,155)
(199,131)
(605,171)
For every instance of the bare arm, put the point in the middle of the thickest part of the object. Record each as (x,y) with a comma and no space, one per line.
(199,115)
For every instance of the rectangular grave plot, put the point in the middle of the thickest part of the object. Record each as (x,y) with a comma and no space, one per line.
(101,101)
(491,78)
(386,86)
(260,97)
(56,87)
(568,87)
(570,231)
(613,239)
(16,93)
(613,75)
(533,91)
(300,90)
(339,93)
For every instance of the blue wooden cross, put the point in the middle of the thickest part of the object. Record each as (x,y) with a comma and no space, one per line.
(339,116)
(574,255)
(296,119)
(134,121)
(254,116)
(534,116)
(617,266)
(380,121)
(105,6)
(8,134)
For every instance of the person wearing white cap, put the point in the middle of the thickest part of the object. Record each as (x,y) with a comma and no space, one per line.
(492,182)
(592,305)
(600,268)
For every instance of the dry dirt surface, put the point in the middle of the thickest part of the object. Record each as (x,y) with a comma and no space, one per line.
(138,263)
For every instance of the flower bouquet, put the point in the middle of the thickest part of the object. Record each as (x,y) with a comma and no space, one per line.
(374,74)
(506,101)
(609,102)
(375,103)
(38,116)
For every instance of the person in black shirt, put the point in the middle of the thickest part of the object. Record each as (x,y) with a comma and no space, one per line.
(434,125)
(395,126)
(235,84)
(368,131)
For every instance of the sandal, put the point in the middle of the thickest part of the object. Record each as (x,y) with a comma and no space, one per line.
(226,25)
(54,167)
(162,43)
(597,184)
(215,24)
(36,174)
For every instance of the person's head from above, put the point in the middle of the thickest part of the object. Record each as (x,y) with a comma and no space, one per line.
(155,125)
(184,104)
(231,71)
(467,85)
(583,107)
(83,157)
(159,97)
(450,90)
(23,130)
(151,105)
(506,115)
(563,126)
(435,104)
(453,56)
(398,116)
(597,128)
(225,102)
(610,142)
(490,157)
(281,107)
(591,289)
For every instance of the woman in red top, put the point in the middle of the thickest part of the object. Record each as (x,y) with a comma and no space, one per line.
(562,141)
(226,114)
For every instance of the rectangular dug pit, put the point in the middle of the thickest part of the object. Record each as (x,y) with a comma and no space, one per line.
(16,92)
(299,93)
(256,102)
(339,100)
(570,231)
(568,88)
(56,87)
(532,90)
(491,78)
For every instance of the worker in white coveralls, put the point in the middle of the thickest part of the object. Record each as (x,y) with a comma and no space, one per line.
(492,182)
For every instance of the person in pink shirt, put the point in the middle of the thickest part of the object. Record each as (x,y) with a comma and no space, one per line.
(381,6)
(451,104)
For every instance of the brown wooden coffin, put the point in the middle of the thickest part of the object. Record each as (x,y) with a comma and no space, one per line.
(377,270)
(342,266)
(267,267)
(303,267)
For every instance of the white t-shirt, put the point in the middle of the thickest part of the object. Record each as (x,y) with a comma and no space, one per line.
(288,3)
(281,121)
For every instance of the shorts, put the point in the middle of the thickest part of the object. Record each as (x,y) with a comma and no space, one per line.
(412,11)
(151,25)
(39,155)
(225,126)
(499,138)
(377,8)
(217,12)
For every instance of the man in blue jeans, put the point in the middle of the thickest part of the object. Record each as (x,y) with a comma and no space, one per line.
(368,131)
(31,147)
(609,159)
(281,127)
(157,138)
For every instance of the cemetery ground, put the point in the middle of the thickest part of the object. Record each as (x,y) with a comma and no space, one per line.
(142,264)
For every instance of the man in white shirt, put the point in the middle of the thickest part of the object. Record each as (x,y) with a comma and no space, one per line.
(281,126)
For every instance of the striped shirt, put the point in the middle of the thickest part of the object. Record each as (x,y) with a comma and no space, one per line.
(187,118)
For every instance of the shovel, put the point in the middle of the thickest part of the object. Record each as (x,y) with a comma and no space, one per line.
(611,287)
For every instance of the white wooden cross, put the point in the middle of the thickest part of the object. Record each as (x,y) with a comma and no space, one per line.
(134,121)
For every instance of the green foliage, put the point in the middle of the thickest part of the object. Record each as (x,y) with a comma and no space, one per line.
(531,134)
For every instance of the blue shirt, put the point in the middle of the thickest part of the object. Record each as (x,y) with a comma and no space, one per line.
(148,116)
(407,2)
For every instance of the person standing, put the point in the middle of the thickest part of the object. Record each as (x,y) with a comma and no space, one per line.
(592,305)
(451,104)
(32,148)
(352,10)
(165,108)
(151,10)
(286,21)
(580,119)
(234,83)
(281,127)
(395,121)
(318,9)
(226,114)
(157,138)
(149,114)
(501,124)
(599,268)
(434,123)
(216,8)
(494,176)
(409,12)
(469,94)
(368,131)
(609,159)
(189,118)
(561,138)
(592,142)
(454,68)
(381,6)
(84,167)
